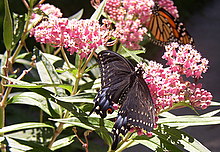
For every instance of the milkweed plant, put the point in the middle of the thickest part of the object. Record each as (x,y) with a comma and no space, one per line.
(59,77)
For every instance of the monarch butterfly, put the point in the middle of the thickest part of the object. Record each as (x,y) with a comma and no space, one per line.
(122,84)
(165,28)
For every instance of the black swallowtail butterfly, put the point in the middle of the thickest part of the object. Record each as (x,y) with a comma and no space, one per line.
(122,84)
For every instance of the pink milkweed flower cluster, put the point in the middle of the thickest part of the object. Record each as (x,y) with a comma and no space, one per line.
(81,36)
(131,16)
(168,87)
(185,60)
(169,6)
(48,10)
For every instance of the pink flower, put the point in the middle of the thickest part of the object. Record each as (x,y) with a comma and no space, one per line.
(167,87)
(54,31)
(185,60)
(48,10)
(140,9)
(129,17)
(115,10)
(81,36)
(169,6)
(141,132)
(87,35)
(130,33)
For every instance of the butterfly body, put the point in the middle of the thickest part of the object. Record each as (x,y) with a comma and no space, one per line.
(124,85)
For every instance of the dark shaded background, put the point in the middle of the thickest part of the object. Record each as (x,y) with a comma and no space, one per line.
(202,18)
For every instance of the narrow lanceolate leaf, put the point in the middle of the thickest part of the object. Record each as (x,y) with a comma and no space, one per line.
(22,126)
(48,73)
(35,99)
(3,62)
(81,98)
(210,114)
(7,27)
(19,21)
(62,142)
(22,84)
(180,121)
(133,55)
(169,136)
(97,14)
(155,143)
(77,16)
(17,145)
(90,123)
(213,103)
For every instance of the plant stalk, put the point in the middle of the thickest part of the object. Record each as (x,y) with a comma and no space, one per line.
(56,134)
(65,57)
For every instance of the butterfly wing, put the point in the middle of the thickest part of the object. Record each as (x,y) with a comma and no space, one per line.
(165,28)
(161,25)
(137,111)
(115,79)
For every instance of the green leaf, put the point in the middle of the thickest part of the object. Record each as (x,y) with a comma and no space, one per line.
(105,136)
(97,14)
(63,142)
(21,145)
(3,62)
(97,84)
(93,67)
(35,99)
(39,135)
(20,126)
(19,22)
(170,136)
(155,143)
(7,27)
(215,103)
(133,55)
(23,84)
(90,123)
(32,3)
(86,86)
(53,59)
(210,114)
(80,98)
(167,114)
(77,16)
(48,73)
(189,120)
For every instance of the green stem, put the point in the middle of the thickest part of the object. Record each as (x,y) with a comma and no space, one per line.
(2,118)
(87,61)
(78,77)
(124,146)
(2,124)
(120,48)
(2,114)
(81,71)
(125,139)
(65,57)
(58,130)
(56,134)
(5,97)
(176,106)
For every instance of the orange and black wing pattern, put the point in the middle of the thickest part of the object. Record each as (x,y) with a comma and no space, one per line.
(165,28)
